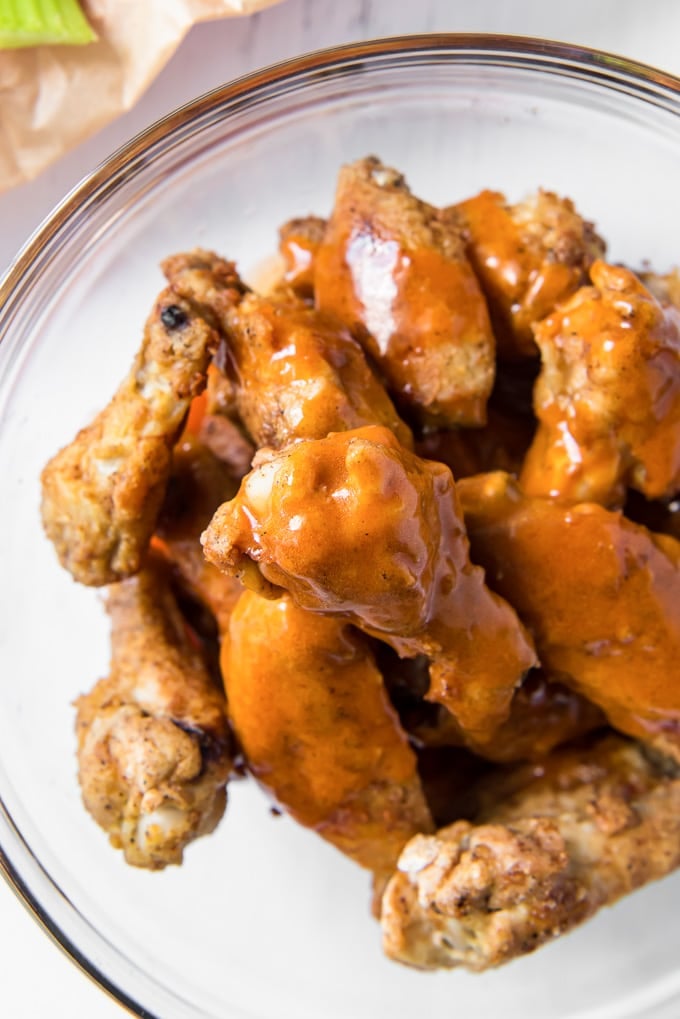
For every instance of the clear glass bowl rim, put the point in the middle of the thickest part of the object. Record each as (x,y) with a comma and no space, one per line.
(607,70)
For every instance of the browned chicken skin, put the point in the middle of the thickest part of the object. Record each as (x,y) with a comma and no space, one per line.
(608,396)
(357,526)
(154,751)
(600,594)
(394,269)
(528,257)
(294,373)
(311,713)
(102,493)
(555,843)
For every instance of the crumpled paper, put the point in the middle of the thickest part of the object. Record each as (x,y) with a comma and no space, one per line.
(51,97)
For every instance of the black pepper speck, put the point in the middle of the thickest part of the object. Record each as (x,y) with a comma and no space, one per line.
(173,317)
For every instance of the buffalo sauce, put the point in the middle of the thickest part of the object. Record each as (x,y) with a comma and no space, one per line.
(600,594)
(309,707)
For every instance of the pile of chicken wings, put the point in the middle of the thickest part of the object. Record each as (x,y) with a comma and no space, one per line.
(400,538)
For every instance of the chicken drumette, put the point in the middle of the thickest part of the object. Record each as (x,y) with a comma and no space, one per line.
(608,396)
(309,708)
(528,257)
(102,493)
(357,526)
(553,844)
(394,269)
(291,372)
(600,594)
(154,751)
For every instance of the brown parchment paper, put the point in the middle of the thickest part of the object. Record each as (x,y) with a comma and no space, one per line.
(51,97)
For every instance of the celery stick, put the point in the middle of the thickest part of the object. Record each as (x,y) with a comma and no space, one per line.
(43,23)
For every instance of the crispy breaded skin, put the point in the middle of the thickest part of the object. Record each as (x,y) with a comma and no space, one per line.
(153,745)
(101,494)
(554,844)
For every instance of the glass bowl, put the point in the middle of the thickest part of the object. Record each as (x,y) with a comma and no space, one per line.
(264,920)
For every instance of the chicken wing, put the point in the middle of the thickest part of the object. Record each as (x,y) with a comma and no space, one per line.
(608,396)
(395,271)
(102,493)
(294,373)
(309,708)
(154,751)
(357,526)
(528,257)
(600,594)
(555,843)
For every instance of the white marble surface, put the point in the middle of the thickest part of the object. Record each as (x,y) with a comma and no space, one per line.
(35,979)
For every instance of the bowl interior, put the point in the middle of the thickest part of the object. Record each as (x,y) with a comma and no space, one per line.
(264,919)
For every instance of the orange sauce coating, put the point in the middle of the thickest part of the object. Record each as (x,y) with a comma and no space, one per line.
(310,710)
(521,283)
(400,279)
(357,526)
(600,594)
(608,397)
(302,375)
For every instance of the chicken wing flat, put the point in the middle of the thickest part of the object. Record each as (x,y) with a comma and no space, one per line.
(608,396)
(600,594)
(394,269)
(102,493)
(154,751)
(528,257)
(356,526)
(555,844)
(293,372)
(309,708)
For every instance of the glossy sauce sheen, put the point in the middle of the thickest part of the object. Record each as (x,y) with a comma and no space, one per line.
(300,374)
(608,396)
(521,285)
(600,594)
(357,526)
(400,279)
(309,707)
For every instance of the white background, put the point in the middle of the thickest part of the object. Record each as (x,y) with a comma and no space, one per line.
(35,979)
